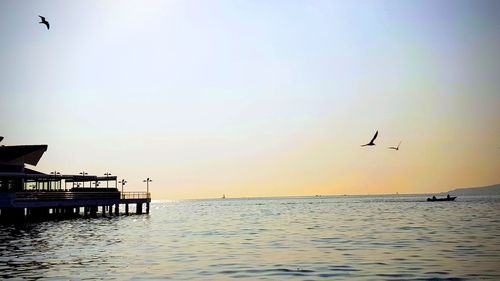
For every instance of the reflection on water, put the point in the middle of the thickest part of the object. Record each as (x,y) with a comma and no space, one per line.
(398,238)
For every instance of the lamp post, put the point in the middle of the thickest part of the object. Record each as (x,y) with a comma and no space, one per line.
(83,176)
(107,174)
(147,181)
(123,182)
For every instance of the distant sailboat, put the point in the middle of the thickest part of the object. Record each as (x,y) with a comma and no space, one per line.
(223,196)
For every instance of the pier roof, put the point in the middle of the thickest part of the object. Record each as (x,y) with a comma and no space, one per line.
(21,154)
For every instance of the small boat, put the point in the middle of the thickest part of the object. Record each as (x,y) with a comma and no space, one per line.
(433,199)
(223,196)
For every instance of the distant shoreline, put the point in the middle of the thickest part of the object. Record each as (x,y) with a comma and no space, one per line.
(481,190)
(490,190)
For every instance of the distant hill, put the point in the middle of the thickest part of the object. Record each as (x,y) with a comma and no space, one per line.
(484,190)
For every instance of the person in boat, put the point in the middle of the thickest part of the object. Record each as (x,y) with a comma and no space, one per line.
(433,197)
(448,196)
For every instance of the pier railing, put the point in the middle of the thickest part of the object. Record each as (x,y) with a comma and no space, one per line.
(64,195)
(136,195)
(31,196)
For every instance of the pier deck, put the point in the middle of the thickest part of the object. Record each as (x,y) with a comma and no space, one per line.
(40,205)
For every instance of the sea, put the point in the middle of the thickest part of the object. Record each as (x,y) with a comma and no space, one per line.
(300,238)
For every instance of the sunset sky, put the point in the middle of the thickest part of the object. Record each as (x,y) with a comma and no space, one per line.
(257,98)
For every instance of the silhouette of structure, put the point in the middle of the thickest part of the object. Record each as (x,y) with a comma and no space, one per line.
(372,141)
(395,148)
(29,194)
(44,22)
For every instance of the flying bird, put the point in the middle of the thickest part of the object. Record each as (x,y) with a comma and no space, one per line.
(372,141)
(395,148)
(44,22)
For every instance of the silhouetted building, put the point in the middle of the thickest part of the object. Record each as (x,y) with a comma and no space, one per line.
(13,173)
(26,193)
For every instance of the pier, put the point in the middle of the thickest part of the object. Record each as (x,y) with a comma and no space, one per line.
(26,194)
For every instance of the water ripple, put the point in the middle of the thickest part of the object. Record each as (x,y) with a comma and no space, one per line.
(365,238)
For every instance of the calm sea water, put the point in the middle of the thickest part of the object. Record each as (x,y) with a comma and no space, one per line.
(360,238)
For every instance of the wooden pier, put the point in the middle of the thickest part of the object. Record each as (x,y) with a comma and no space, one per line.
(36,206)
(26,194)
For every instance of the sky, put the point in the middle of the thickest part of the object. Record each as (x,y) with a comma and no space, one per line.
(257,98)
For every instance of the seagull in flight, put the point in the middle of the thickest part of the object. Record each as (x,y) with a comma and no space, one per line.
(372,141)
(44,22)
(395,148)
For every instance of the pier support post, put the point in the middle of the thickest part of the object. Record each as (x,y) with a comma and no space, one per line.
(13,215)
(69,211)
(93,211)
(117,209)
(38,213)
(139,208)
(147,208)
(126,209)
(103,211)
(110,210)
(44,212)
